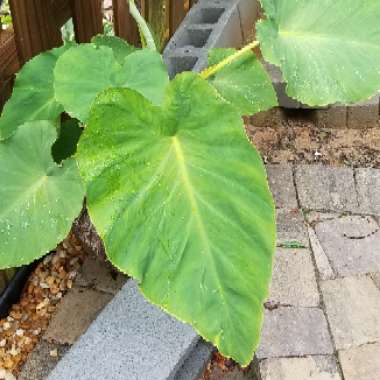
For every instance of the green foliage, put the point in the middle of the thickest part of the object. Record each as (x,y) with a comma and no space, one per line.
(328,51)
(244,83)
(193,194)
(76,86)
(39,199)
(33,94)
(119,47)
(172,184)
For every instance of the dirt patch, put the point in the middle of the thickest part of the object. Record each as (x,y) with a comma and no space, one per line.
(300,141)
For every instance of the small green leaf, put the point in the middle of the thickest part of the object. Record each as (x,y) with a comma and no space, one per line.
(292,244)
(33,93)
(119,47)
(38,199)
(84,71)
(66,144)
(328,50)
(244,83)
(181,201)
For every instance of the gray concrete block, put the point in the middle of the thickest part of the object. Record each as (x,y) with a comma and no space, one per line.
(196,362)
(249,13)
(307,368)
(351,244)
(209,24)
(293,331)
(326,188)
(293,282)
(364,114)
(130,338)
(280,86)
(281,183)
(353,310)
(368,188)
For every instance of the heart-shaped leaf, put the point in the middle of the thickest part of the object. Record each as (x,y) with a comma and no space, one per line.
(119,47)
(33,93)
(85,70)
(38,199)
(182,203)
(328,51)
(244,83)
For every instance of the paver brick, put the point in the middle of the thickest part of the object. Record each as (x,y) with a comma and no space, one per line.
(291,228)
(100,275)
(353,310)
(75,313)
(281,183)
(364,114)
(368,188)
(307,368)
(294,281)
(40,362)
(273,118)
(326,188)
(333,117)
(352,244)
(324,268)
(294,331)
(361,363)
(376,279)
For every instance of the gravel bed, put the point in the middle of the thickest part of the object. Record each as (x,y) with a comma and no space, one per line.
(29,318)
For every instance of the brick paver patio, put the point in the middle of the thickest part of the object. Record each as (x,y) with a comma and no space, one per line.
(323,316)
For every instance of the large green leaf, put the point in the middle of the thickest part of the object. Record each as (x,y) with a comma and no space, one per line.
(328,50)
(244,83)
(181,200)
(120,47)
(38,199)
(33,93)
(85,70)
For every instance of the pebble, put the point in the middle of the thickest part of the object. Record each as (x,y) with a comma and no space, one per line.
(29,318)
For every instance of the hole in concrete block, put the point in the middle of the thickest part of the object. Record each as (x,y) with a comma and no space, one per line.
(195,37)
(179,64)
(208,15)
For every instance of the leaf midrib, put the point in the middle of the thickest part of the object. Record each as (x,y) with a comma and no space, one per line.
(194,206)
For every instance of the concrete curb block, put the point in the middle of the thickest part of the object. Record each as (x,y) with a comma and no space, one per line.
(209,24)
(130,339)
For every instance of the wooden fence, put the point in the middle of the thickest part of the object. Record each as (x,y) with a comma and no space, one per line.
(37,27)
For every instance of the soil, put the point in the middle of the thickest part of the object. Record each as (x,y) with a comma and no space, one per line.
(300,141)
(29,318)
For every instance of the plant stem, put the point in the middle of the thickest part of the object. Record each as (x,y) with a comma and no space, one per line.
(143,26)
(206,73)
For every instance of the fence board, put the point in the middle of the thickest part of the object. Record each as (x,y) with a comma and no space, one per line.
(87,19)
(35,26)
(124,25)
(176,14)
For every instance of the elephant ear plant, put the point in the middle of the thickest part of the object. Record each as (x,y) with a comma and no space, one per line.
(174,188)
